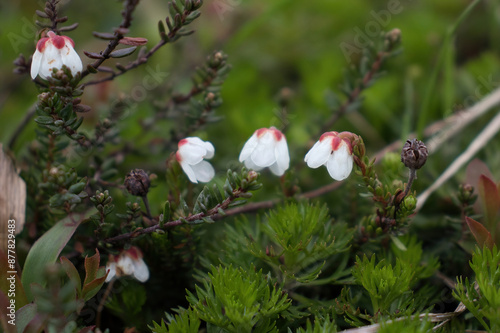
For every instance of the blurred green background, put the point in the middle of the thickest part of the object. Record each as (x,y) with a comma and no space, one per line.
(274,45)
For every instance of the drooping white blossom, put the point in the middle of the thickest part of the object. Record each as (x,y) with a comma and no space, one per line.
(334,150)
(191,155)
(128,262)
(266,148)
(54,51)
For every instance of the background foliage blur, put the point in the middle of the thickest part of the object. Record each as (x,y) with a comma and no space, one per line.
(284,49)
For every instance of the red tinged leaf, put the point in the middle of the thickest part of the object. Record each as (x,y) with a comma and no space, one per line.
(490,199)
(475,169)
(91,267)
(133,41)
(93,287)
(482,236)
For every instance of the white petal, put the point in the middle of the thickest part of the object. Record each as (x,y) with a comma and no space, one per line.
(277,170)
(35,63)
(51,59)
(204,171)
(111,269)
(340,163)
(319,154)
(141,271)
(264,154)
(282,156)
(192,153)
(188,170)
(126,264)
(251,165)
(71,59)
(194,140)
(248,148)
(210,149)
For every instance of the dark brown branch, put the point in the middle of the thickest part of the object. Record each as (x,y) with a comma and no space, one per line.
(129,8)
(139,61)
(212,213)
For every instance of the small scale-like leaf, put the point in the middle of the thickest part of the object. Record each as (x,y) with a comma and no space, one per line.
(133,41)
(481,234)
(123,52)
(78,187)
(103,35)
(69,27)
(44,120)
(93,55)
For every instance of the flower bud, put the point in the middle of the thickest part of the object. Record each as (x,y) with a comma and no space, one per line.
(137,182)
(414,154)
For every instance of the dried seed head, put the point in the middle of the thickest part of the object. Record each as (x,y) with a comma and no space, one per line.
(137,182)
(414,154)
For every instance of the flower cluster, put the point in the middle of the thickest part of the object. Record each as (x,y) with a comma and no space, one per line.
(54,51)
(128,262)
(267,148)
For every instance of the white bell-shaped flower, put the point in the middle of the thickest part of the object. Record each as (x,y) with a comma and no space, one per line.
(266,148)
(128,262)
(54,51)
(191,156)
(333,150)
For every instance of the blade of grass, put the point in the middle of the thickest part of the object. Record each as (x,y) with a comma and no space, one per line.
(425,110)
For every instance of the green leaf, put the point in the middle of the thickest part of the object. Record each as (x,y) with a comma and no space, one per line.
(67,111)
(481,234)
(398,243)
(24,316)
(44,120)
(122,52)
(72,274)
(47,248)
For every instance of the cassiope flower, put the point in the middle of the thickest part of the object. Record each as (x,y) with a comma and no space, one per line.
(54,51)
(191,154)
(334,150)
(128,262)
(266,148)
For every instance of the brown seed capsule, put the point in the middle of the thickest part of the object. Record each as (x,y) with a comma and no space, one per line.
(414,154)
(137,182)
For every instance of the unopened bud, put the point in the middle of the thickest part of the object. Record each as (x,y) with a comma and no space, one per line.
(393,37)
(414,154)
(137,182)
(252,175)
